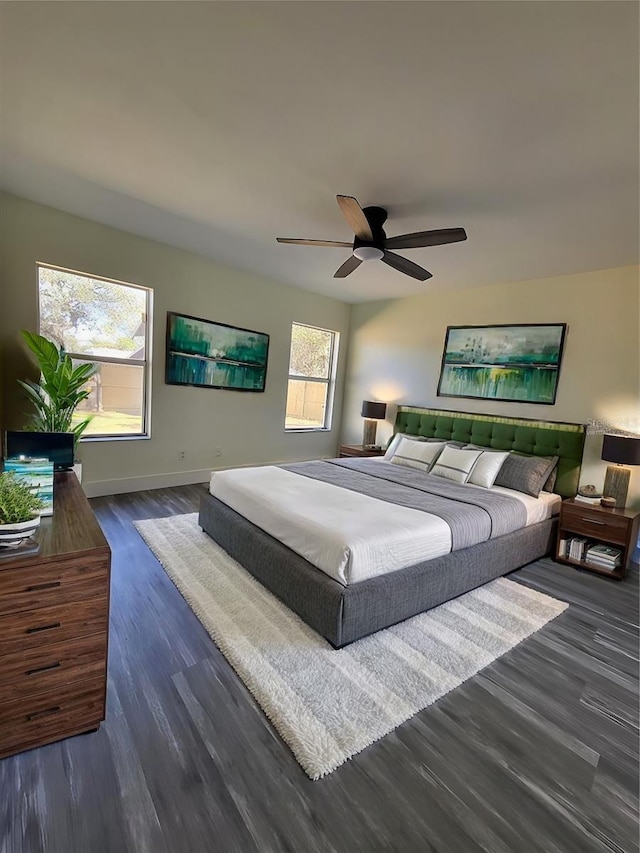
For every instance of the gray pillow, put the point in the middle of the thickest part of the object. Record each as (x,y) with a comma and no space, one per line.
(526,474)
(550,485)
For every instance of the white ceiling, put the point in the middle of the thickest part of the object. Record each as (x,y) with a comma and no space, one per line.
(219,126)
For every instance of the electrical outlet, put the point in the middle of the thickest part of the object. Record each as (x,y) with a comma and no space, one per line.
(182,454)
(218,451)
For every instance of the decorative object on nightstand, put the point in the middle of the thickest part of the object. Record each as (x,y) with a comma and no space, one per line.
(596,538)
(624,450)
(589,491)
(371,412)
(357,450)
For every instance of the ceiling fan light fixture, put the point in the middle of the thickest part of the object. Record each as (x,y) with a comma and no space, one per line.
(368,253)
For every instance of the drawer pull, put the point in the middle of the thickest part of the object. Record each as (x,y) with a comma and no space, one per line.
(43,628)
(593,521)
(39,586)
(43,668)
(43,713)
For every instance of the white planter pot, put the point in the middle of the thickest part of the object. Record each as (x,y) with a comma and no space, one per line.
(13,534)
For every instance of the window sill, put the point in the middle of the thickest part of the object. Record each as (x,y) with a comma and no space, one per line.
(90,439)
(307,429)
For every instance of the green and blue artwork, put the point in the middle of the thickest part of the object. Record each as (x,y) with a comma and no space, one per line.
(516,363)
(214,355)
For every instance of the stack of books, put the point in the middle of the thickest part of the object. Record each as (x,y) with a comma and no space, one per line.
(573,549)
(577,548)
(604,557)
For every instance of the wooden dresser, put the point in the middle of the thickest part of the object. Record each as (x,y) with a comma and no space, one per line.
(54,622)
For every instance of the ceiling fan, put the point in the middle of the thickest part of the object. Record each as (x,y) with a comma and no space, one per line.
(372,244)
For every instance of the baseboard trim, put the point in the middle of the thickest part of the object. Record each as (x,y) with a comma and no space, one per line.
(100,488)
(121,486)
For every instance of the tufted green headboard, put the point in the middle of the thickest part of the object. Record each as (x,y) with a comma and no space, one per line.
(537,438)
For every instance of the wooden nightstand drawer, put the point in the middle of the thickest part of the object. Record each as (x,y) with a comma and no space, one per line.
(596,524)
(64,581)
(50,716)
(44,669)
(30,629)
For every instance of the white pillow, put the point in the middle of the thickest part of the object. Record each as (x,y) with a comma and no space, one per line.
(416,454)
(487,467)
(456,464)
(395,441)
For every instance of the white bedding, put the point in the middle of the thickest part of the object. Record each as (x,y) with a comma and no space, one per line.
(349,536)
(538,509)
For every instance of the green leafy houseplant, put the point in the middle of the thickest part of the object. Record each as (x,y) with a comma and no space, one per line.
(61,389)
(18,502)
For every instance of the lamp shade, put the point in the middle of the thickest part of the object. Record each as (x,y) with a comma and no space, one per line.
(373,411)
(623,449)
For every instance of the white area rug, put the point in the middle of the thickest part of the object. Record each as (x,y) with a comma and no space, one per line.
(330,704)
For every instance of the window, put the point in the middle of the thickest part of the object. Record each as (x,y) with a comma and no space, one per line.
(312,369)
(108,323)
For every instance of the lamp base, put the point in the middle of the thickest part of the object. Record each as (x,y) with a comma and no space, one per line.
(616,484)
(369,434)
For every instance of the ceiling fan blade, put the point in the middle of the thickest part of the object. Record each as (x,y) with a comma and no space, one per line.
(421,239)
(352,263)
(407,267)
(313,242)
(354,215)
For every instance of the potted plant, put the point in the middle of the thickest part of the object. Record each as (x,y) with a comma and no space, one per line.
(19,510)
(62,387)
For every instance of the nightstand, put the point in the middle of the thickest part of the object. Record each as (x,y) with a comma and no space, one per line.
(358,450)
(598,525)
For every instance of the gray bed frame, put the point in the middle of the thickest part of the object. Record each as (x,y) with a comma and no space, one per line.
(344,614)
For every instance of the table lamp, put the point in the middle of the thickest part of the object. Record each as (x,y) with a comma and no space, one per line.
(371,412)
(624,450)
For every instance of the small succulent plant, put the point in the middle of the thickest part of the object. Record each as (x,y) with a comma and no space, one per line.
(18,501)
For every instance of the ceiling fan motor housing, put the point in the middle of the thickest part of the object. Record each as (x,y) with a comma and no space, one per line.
(376,217)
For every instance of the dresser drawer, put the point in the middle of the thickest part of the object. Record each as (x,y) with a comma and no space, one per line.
(51,716)
(58,582)
(611,528)
(30,629)
(53,666)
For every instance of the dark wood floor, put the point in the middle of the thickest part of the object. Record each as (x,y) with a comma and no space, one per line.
(537,753)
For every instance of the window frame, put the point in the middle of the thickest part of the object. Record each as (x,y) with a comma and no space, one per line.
(330,380)
(145,363)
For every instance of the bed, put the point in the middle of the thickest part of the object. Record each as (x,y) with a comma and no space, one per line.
(441,531)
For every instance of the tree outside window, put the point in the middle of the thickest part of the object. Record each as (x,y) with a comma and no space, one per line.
(108,323)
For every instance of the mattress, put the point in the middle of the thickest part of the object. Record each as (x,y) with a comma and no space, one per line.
(545,506)
(376,521)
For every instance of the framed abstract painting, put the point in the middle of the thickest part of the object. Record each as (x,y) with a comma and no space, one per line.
(519,364)
(214,355)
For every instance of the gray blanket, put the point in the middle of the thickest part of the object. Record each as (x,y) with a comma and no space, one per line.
(474,515)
